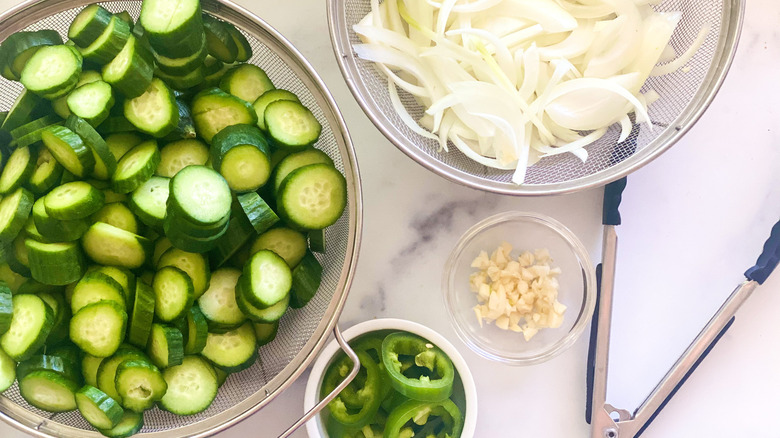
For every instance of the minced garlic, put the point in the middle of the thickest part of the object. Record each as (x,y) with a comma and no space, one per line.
(519,295)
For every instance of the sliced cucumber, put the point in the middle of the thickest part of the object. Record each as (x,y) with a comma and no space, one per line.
(267,279)
(109,43)
(55,263)
(30,133)
(99,328)
(219,40)
(266,98)
(197,331)
(31,323)
(174,28)
(52,71)
(214,110)
(48,391)
(129,72)
(92,102)
(120,143)
(154,112)
(74,200)
(218,303)
(118,215)
(66,367)
(190,243)
(18,169)
(166,346)
(109,245)
(182,83)
(232,351)
(291,125)
(257,211)
(19,47)
(7,371)
(106,373)
(94,287)
(19,260)
(173,291)
(296,161)
(149,201)
(180,154)
(244,48)
(185,130)
(125,278)
(265,332)
(6,308)
(89,368)
(241,154)
(69,149)
(184,65)
(136,167)
(160,246)
(285,242)
(100,410)
(89,24)
(55,230)
(239,232)
(247,82)
(200,195)
(306,279)
(25,107)
(116,124)
(317,241)
(139,384)
(192,386)
(130,424)
(195,265)
(143,314)
(14,211)
(47,173)
(312,197)
(256,314)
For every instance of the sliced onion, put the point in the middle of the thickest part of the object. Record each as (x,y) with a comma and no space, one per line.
(685,57)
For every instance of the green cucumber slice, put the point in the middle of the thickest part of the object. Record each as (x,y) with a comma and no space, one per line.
(174,28)
(244,48)
(312,197)
(109,245)
(197,331)
(247,82)
(241,154)
(173,292)
(109,43)
(296,161)
(89,368)
(192,386)
(291,125)
(100,410)
(265,332)
(182,83)
(166,346)
(69,149)
(118,215)
(55,263)
(317,241)
(56,364)
(7,371)
(56,230)
(219,40)
(139,384)
(266,98)
(129,72)
(19,47)
(92,102)
(201,195)
(48,391)
(154,112)
(218,303)
(267,279)
(130,424)
(180,154)
(233,351)
(52,71)
(74,200)
(136,167)
(306,279)
(149,201)
(14,211)
(31,323)
(214,110)
(99,328)
(285,242)
(18,168)
(89,24)
(120,143)
(106,373)
(143,314)
(47,173)
(94,287)
(267,315)
(6,308)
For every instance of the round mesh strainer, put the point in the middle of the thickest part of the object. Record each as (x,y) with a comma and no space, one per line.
(303,332)
(684,97)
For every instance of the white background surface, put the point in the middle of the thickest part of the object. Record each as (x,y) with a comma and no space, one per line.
(694,220)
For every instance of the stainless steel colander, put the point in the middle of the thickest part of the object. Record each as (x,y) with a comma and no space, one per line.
(303,332)
(684,97)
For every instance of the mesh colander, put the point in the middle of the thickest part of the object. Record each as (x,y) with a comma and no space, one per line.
(684,97)
(302,332)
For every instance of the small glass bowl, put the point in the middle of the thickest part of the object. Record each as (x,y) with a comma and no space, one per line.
(525,232)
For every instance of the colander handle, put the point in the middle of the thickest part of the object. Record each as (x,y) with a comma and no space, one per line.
(324,402)
(769,258)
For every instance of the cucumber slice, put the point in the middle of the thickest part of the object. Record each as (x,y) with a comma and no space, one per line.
(47,173)
(291,125)
(94,287)
(119,144)
(192,386)
(183,65)
(317,241)
(69,149)
(219,41)
(109,245)
(267,279)
(267,315)
(195,265)
(30,133)
(51,72)
(92,102)
(106,372)
(19,260)
(99,328)
(118,215)
(109,43)
(232,351)
(174,28)
(244,48)
(160,246)
(6,308)
(31,323)
(186,127)
(59,330)
(218,303)
(285,242)
(213,70)
(89,24)
(55,263)
(129,72)
(180,154)
(266,98)
(74,200)
(296,161)
(14,211)
(257,212)
(176,222)
(306,279)
(60,106)
(130,424)
(31,231)
(241,154)
(166,346)
(18,169)
(197,331)
(139,384)
(100,410)
(247,82)
(7,371)
(154,112)
(48,391)
(149,201)
(173,293)
(189,243)
(136,167)
(182,83)
(143,314)
(265,332)
(201,195)
(26,107)
(239,232)
(56,364)
(125,278)
(55,230)
(89,368)
(312,197)
(214,110)
(19,47)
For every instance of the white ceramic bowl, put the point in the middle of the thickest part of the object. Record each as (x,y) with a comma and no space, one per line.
(316,428)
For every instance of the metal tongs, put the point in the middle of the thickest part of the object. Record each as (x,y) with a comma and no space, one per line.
(600,415)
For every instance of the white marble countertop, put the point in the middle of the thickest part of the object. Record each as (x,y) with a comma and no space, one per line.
(694,220)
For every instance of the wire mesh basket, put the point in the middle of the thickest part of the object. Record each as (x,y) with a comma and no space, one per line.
(684,97)
(302,332)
